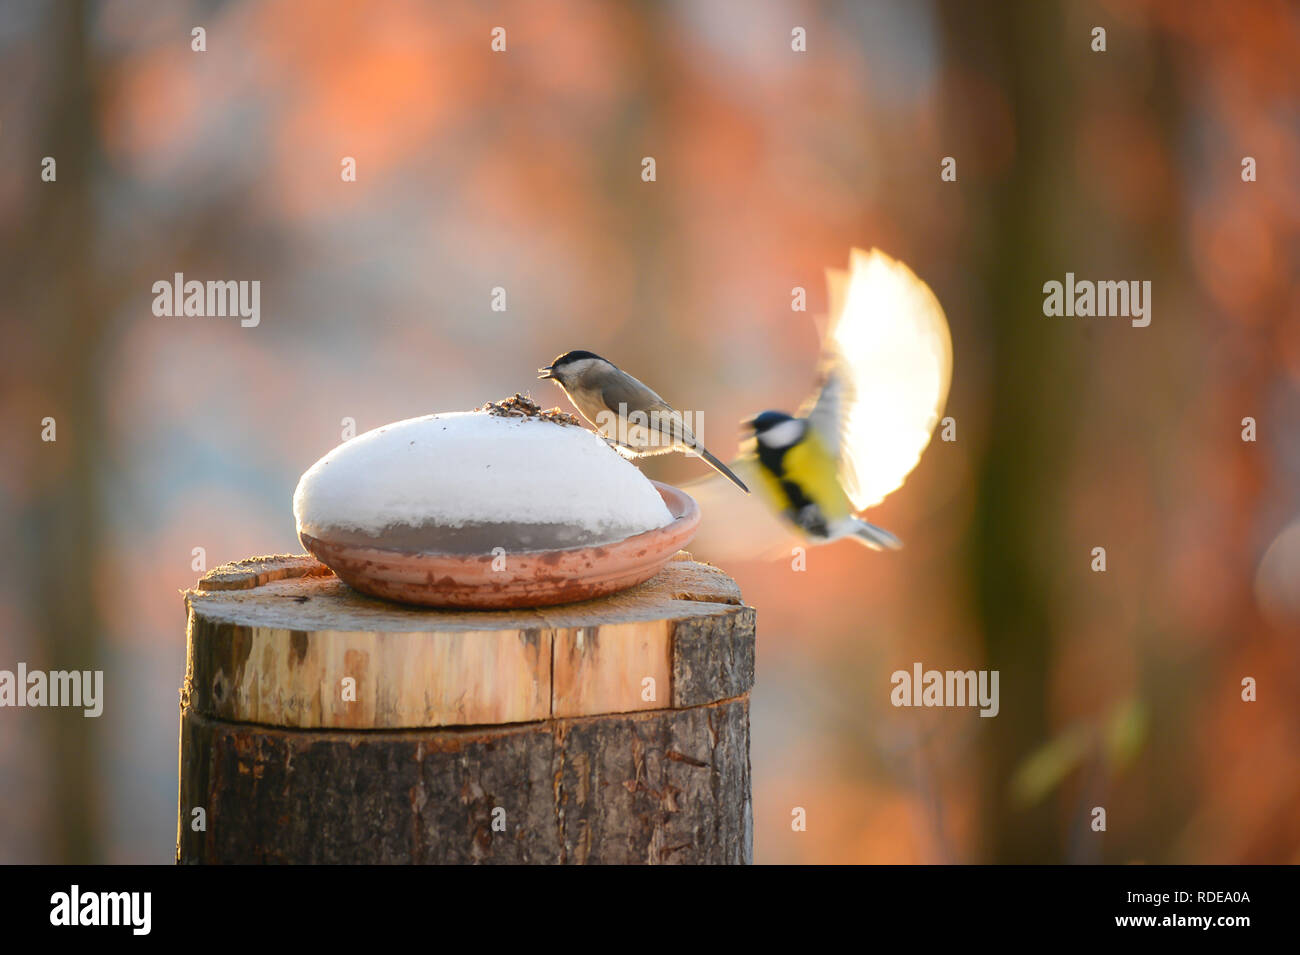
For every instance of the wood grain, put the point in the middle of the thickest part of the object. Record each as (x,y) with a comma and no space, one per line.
(277,642)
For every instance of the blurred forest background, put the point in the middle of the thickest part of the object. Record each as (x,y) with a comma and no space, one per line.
(522,170)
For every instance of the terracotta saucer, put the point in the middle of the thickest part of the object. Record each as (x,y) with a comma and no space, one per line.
(530,579)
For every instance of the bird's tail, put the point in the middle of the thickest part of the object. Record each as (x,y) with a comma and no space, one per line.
(877,538)
(721,468)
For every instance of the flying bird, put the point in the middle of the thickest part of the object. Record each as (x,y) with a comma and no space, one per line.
(881,389)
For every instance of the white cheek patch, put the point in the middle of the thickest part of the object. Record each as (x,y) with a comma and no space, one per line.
(782,435)
(576,369)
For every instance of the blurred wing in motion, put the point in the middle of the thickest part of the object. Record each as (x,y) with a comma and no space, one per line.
(737,526)
(884,381)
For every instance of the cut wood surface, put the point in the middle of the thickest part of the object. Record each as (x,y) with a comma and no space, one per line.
(280,641)
(256,571)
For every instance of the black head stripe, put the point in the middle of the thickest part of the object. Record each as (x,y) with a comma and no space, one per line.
(571,356)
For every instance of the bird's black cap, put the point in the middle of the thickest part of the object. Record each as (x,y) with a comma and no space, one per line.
(549,373)
(572,356)
(768,419)
(569,357)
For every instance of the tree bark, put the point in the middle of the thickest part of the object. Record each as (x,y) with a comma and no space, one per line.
(581,762)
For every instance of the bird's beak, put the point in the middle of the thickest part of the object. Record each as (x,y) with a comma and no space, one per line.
(747,425)
(544,374)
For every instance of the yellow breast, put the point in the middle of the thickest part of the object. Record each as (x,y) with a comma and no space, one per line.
(810,466)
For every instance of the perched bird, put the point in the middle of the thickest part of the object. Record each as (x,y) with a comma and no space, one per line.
(883,384)
(635,420)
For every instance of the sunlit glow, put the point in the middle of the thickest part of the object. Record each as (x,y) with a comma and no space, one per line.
(897,357)
(1277,582)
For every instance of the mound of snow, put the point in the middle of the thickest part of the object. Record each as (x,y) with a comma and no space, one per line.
(469,481)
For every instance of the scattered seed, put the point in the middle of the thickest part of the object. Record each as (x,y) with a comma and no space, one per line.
(522,406)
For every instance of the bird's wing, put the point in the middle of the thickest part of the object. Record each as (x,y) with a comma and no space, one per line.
(885,377)
(736,526)
(825,407)
(625,392)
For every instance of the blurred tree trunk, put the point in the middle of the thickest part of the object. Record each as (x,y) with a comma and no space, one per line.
(58,292)
(649,241)
(1020,48)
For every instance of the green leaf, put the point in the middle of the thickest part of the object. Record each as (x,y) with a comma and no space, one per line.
(1044,769)
(1126,731)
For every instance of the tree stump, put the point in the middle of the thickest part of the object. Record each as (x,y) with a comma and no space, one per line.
(319,725)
